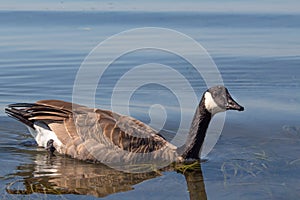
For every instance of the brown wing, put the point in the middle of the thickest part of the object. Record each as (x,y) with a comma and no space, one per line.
(133,135)
(59,105)
(123,131)
(79,128)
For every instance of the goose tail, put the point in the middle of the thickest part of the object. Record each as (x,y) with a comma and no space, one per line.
(18,112)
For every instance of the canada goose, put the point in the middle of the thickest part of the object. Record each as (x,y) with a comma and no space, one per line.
(101,135)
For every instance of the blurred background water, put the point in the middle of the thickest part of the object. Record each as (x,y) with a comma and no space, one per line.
(254,45)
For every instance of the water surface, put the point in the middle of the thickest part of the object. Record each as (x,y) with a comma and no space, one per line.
(257,156)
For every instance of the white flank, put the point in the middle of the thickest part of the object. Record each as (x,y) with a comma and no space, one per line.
(42,135)
(211,105)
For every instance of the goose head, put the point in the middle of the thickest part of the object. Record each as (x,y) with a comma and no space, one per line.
(217,99)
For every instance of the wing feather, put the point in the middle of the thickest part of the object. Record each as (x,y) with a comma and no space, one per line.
(84,131)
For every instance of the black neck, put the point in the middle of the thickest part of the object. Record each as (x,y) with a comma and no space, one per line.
(197,132)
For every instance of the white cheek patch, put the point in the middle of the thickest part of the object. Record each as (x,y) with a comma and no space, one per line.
(211,105)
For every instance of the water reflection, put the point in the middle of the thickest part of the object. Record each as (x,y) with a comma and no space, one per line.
(60,175)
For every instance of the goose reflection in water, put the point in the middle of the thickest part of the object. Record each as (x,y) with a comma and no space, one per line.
(61,175)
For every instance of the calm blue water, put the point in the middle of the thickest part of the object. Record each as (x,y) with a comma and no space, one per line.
(257,156)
